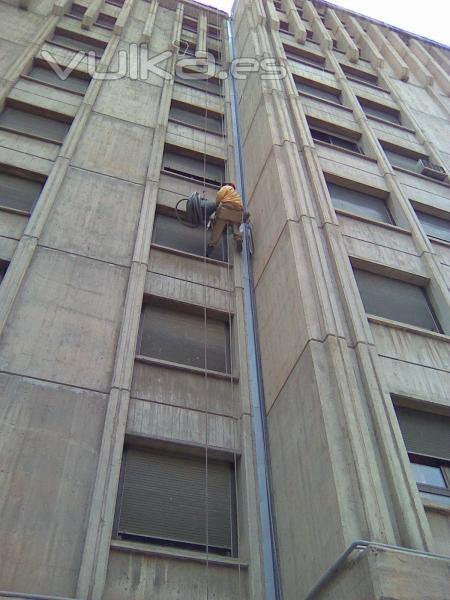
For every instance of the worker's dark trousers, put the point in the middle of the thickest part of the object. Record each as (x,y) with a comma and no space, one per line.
(208,208)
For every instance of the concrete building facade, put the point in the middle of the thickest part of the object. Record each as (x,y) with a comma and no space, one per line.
(130,453)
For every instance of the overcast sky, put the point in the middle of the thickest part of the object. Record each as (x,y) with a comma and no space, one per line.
(429,18)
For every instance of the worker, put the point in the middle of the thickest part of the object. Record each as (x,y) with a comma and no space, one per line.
(229,196)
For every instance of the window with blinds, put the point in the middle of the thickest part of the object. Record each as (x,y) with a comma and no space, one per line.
(397,300)
(77,83)
(427,440)
(305,86)
(433,226)
(18,193)
(399,158)
(196,116)
(186,338)
(172,500)
(386,113)
(169,232)
(78,42)
(194,166)
(334,140)
(359,203)
(21,119)
(198,82)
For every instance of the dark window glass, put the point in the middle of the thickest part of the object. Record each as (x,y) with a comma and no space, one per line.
(76,10)
(169,232)
(212,85)
(71,84)
(427,440)
(3,268)
(318,91)
(360,75)
(170,334)
(434,226)
(381,112)
(23,121)
(118,3)
(329,138)
(190,24)
(18,193)
(301,56)
(192,115)
(105,21)
(360,203)
(396,300)
(174,500)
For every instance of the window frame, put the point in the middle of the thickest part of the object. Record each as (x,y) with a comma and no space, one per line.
(27,175)
(442,464)
(420,211)
(313,86)
(332,136)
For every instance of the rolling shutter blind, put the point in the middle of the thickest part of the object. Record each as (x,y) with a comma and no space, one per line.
(434,226)
(317,91)
(164,498)
(193,167)
(168,231)
(198,119)
(175,336)
(28,123)
(396,300)
(18,193)
(211,85)
(425,433)
(386,115)
(401,160)
(72,83)
(359,203)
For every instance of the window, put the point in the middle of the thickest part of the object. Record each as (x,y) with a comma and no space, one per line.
(307,86)
(397,300)
(187,48)
(401,158)
(105,21)
(74,83)
(77,42)
(19,193)
(3,268)
(211,85)
(302,56)
(169,232)
(284,27)
(322,136)
(177,336)
(359,75)
(22,119)
(196,116)
(379,111)
(118,3)
(190,24)
(195,166)
(435,227)
(76,10)
(278,5)
(214,32)
(359,203)
(427,441)
(173,500)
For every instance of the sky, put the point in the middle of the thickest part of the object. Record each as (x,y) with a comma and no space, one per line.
(430,19)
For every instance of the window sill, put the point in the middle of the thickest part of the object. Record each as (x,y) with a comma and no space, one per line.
(188,369)
(442,337)
(445,183)
(390,226)
(203,259)
(436,507)
(177,554)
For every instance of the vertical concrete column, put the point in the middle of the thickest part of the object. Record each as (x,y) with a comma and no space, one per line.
(439,55)
(91,14)
(416,66)
(397,63)
(60,6)
(258,12)
(341,34)
(95,557)
(442,78)
(295,21)
(25,61)
(365,41)
(272,16)
(29,240)
(202,34)
(150,22)
(123,17)
(321,32)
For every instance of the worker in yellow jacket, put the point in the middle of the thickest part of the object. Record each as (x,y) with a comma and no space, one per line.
(229,196)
